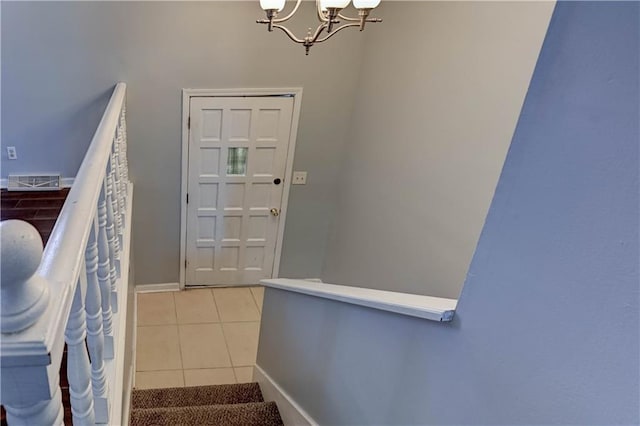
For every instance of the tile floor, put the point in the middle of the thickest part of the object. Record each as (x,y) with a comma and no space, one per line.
(197,337)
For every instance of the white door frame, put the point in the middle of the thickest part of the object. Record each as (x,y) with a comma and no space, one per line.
(187,94)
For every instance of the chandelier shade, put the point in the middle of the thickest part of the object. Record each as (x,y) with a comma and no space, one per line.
(339,4)
(272,4)
(328,13)
(366,4)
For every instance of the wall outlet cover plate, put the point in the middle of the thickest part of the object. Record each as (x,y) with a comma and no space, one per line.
(299,178)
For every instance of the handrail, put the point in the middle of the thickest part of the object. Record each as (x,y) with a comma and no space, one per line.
(70,292)
(64,253)
(415,305)
(71,231)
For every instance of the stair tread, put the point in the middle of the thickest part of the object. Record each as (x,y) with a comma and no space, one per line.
(196,396)
(241,414)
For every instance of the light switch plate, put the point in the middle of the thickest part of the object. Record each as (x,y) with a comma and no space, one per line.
(299,178)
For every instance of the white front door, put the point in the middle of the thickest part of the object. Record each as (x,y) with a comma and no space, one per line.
(237,159)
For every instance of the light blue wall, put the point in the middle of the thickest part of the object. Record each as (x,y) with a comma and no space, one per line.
(61,59)
(547,327)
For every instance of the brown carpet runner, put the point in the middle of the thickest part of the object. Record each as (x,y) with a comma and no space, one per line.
(232,405)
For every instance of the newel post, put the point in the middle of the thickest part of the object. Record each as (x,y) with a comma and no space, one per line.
(30,387)
(23,295)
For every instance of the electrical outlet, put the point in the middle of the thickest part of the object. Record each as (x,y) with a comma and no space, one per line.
(11,153)
(299,178)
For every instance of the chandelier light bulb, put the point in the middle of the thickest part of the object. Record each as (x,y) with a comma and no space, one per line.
(272,4)
(334,4)
(366,4)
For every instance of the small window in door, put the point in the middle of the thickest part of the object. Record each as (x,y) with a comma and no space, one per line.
(237,162)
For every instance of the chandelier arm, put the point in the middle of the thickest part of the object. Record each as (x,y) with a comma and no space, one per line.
(289,34)
(286,18)
(346,18)
(319,30)
(331,34)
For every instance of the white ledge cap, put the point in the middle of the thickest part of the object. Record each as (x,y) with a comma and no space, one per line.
(426,307)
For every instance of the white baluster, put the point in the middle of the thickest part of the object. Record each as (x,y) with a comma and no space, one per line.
(117,175)
(123,147)
(115,196)
(95,337)
(49,412)
(78,369)
(123,161)
(122,190)
(113,254)
(23,295)
(104,275)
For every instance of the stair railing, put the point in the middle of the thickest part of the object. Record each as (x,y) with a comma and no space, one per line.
(69,292)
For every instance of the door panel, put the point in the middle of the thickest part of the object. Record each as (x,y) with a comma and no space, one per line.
(237,147)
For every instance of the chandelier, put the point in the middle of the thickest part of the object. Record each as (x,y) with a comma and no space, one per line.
(328,14)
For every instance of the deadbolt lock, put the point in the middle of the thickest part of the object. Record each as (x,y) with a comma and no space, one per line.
(275,212)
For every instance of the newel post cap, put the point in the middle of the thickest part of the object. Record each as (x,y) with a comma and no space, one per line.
(23,295)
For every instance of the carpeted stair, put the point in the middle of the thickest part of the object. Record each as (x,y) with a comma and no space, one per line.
(233,405)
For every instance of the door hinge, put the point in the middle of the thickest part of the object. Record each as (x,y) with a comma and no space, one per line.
(189,122)
(187,198)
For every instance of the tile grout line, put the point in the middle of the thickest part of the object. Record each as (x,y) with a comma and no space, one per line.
(257,343)
(224,337)
(259,310)
(253,296)
(175,312)
(226,345)
(244,322)
(215,305)
(241,301)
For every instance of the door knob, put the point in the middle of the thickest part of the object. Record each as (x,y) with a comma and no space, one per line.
(275,212)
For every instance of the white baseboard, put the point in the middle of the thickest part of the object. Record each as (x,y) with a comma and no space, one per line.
(126,405)
(126,413)
(65,182)
(292,414)
(135,341)
(154,288)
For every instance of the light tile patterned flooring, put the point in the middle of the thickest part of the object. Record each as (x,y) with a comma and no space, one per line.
(197,337)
